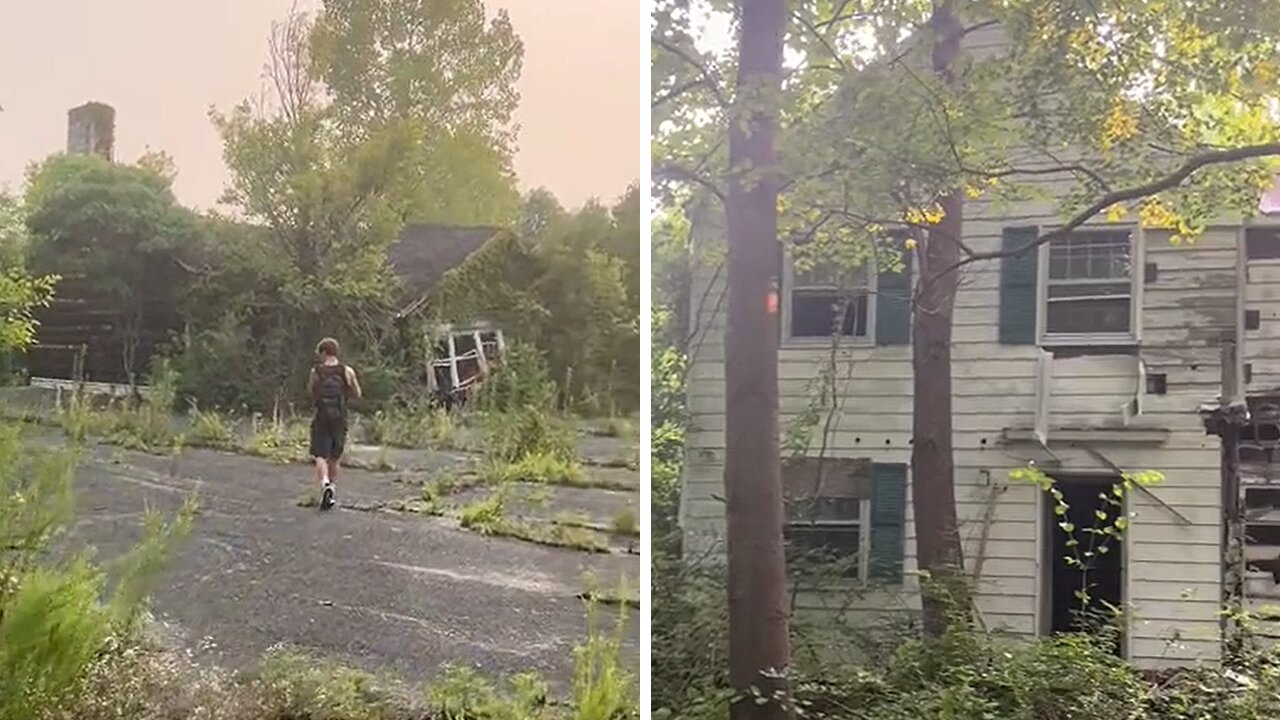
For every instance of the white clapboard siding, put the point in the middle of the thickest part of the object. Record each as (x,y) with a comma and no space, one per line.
(1172,563)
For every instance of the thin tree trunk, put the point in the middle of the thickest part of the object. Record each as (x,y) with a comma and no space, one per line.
(933,494)
(758,617)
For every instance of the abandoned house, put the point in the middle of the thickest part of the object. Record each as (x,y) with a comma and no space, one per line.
(458,355)
(82,334)
(1100,354)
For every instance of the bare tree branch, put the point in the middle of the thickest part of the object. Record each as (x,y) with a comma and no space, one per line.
(682,174)
(1168,182)
(289,65)
(817,35)
(707,76)
(676,92)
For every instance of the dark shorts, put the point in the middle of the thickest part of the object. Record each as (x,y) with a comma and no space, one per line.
(328,438)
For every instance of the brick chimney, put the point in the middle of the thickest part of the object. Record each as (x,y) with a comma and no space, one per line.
(91,130)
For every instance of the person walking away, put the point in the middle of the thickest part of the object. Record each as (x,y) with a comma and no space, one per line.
(332,384)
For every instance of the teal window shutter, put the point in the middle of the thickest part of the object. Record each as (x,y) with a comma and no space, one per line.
(888,521)
(893,305)
(1018,293)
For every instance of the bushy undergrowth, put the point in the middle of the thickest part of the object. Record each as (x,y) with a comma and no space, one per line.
(416,425)
(967,674)
(513,436)
(68,654)
(539,467)
(521,381)
(54,621)
(137,679)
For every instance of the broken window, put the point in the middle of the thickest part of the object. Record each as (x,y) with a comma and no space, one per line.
(828,506)
(823,302)
(1262,516)
(1089,288)
(490,345)
(463,357)
(1262,541)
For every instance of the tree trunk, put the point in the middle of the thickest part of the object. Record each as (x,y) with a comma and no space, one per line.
(758,621)
(933,494)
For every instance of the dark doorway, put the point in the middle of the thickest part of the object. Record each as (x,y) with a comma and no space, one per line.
(1093,566)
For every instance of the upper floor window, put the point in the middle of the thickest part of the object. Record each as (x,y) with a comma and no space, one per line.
(1262,243)
(1089,286)
(822,302)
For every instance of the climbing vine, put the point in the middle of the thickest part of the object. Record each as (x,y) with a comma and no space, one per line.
(1086,544)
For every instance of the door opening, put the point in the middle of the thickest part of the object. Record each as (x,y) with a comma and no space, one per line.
(1084,562)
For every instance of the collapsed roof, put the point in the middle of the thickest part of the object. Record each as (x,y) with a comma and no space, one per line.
(424,252)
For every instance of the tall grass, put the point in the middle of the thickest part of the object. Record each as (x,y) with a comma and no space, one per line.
(53,620)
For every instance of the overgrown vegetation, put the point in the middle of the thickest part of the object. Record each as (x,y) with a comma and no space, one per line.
(949,115)
(325,171)
(54,622)
(67,653)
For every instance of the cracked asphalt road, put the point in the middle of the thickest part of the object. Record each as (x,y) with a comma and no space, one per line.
(383,591)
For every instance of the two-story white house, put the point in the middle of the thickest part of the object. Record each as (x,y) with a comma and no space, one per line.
(1111,340)
(1088,358)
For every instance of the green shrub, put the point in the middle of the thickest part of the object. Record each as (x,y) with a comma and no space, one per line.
(484,515)
(462,694)
(519,382)
(52,630)
(603,689)
(539,467)
(413,426)
(308,688)
(510,437)
(210,429)
(53,622)
(625,522)
(279,440)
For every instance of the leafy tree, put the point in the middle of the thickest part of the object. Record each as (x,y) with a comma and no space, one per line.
(439,63)
(565,290)
(19,295)
(13,233)
(321,207)
(749,108)
(540,209)
(19,292)
(114,229)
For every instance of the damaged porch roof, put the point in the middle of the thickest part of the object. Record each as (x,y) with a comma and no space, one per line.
(424,252)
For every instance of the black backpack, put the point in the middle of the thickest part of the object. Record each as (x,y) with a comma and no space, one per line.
(331,391)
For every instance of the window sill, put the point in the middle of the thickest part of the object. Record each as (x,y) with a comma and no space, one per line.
(1117,340)
(819,583)
(809,343)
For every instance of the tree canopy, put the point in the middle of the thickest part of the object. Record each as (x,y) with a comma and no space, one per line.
(1163,111)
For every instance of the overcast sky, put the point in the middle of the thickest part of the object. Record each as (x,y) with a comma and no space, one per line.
(162,63)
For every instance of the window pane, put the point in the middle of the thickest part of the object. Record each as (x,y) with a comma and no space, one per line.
(824,545)
(826,276)
(1089,290)
(1262,243)
(1101,315)
(819,509)
(815,314)
(1057,265)
(1093,254)
(464,343)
